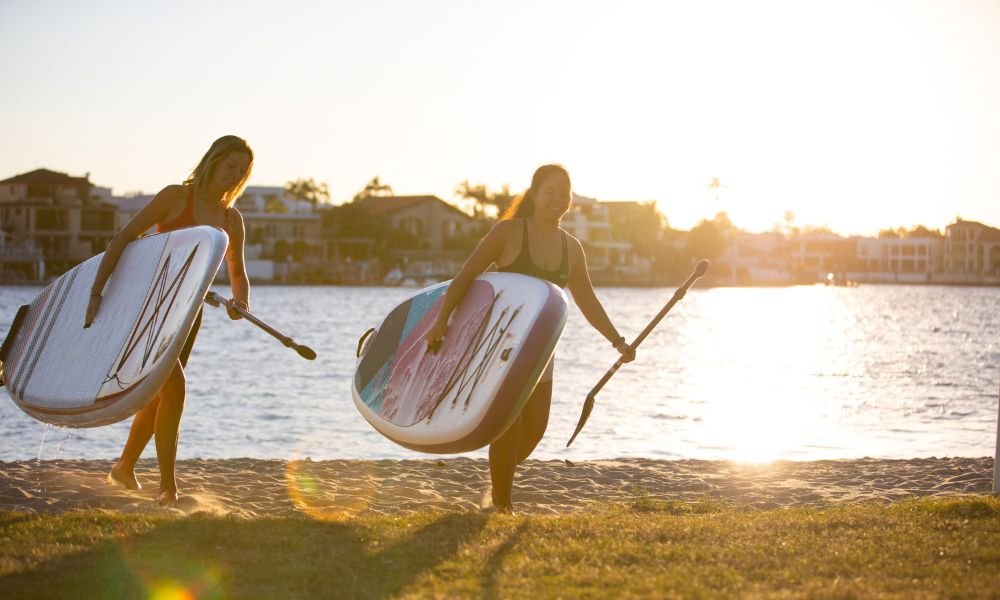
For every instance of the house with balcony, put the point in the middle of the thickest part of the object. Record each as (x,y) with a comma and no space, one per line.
(899,259)
(972,253)
(56,214)
(283,236)
(422,238)
(815,255)
(605,230)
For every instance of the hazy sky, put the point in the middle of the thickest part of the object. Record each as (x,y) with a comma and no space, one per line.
(856,114)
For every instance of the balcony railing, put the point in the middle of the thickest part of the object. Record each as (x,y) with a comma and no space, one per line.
(20,254)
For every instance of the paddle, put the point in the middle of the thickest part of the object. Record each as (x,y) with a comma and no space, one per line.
(213,299)
(588,404)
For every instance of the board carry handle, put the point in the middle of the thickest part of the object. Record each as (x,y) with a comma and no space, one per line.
(8,342)
(213,299)
(361,342)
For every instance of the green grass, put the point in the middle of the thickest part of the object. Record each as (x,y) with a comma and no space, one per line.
(920,548)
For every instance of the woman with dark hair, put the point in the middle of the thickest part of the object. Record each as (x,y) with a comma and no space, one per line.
(205,198)
(528,240)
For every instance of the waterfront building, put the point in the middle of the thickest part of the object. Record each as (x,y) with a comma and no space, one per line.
(900,259)
(754,259)
(423,238)
(283,236)
(814,255)
(57,215)
(606,230)
(972,250)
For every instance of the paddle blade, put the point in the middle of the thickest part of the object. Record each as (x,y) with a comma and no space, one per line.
(588,406)
(306,352)
(701,269)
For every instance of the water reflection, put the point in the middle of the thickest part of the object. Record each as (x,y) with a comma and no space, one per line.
(743,374)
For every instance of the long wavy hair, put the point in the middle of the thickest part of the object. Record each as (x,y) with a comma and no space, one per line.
(220,149)
(523,204)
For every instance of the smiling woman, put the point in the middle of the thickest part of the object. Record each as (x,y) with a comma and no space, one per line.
(529,241)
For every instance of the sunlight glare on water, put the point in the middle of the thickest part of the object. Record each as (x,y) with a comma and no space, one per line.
(798,373)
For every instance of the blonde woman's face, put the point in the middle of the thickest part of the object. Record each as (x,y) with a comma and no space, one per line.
(554,195)
(230,171)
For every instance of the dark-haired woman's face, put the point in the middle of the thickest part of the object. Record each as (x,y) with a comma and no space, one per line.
(230,171)
(554,196)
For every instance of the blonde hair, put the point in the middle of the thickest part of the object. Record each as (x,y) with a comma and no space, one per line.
(220,149)
(523,204)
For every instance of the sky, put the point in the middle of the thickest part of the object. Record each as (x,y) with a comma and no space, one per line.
(856,115)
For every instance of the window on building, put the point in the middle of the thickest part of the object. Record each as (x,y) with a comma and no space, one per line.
(51,219)
(97,220)
(39,191)
(412,225)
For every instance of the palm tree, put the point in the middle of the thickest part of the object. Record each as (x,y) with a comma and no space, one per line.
(308,189)
(373,188)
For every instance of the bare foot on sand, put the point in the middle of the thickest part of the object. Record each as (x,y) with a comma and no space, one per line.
(167,498)
(507,510)
(122,477)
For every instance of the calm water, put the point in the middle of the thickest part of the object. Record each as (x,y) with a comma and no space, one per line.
(748,374)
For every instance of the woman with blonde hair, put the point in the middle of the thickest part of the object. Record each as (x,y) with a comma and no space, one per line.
(206,197)
(528,240)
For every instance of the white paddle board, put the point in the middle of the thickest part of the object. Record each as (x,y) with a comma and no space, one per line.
(461,398)
(61,373)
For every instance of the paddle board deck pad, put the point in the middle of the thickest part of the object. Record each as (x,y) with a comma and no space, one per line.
(467,393)
(60,373)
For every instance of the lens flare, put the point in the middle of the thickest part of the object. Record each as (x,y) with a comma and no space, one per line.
(171,575)
(329,490)
(170,590)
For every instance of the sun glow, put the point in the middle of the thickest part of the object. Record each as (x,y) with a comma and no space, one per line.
(641,101)
(751,415)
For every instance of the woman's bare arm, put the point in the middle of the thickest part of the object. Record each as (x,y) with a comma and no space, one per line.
(148,216)
(486,253)
(583,293)
(236,263)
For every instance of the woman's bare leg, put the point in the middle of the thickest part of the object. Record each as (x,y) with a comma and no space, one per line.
(123,473)
(516,444)
(166,427)
(535,420)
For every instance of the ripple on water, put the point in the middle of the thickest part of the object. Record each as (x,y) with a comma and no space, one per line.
(802,372)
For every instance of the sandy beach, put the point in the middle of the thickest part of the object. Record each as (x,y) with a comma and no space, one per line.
(253,488)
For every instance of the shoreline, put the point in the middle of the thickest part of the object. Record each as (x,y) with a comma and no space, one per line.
(333,489)
(699,285)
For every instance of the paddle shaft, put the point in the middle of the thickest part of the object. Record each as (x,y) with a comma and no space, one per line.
(214,299)
(588,404)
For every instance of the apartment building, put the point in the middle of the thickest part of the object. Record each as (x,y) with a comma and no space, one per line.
(56,214)
(972,249)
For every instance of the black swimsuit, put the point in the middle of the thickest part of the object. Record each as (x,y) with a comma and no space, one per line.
(525,266)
